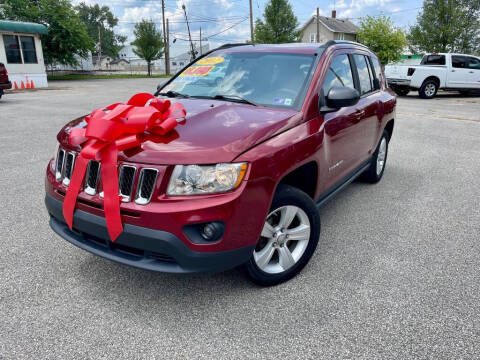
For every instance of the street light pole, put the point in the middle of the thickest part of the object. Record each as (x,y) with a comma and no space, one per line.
(165,43)
(251,21)
(189,35)
(167,52)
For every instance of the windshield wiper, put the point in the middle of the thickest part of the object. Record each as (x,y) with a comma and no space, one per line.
(173,94)
(236,98)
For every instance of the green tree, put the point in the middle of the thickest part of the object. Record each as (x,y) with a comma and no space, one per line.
(446,26)
(67,34)
(148,43)
(382,37)
(100,22)
(280,24)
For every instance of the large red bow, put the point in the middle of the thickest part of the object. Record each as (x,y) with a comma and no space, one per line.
(110,130)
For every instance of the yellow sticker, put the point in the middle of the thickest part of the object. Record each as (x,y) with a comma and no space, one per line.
(211,60)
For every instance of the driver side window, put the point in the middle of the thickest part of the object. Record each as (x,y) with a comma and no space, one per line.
(339,74)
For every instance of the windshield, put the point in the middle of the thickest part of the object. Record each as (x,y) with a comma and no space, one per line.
(270,79)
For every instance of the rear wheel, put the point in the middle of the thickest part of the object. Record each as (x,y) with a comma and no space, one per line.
(379,159)
(288,239)
(428,90)
(401,90)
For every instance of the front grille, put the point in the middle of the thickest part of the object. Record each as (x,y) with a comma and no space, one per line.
(146,185)
(59,164)
(68,171)
(125,182)
(65,164)
(91,179)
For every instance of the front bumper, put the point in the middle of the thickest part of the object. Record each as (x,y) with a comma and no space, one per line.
(139,246)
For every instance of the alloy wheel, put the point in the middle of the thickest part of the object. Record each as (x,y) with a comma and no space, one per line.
(283,241)
(382,154)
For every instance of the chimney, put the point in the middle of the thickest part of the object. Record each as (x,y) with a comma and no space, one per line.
(334,14)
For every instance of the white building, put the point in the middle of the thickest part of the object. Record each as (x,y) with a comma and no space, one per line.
(21,52)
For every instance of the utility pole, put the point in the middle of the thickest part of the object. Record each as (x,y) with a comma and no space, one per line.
(251,21)
(189,35)
(167,52)
(99,56)
(165,44)
(318,25)
(201,41)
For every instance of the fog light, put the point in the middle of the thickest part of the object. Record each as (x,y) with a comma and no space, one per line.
(209,231)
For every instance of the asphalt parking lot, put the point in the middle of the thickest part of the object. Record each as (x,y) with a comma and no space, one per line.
(396,274)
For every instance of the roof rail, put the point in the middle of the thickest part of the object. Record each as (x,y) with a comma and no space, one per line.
(337,42)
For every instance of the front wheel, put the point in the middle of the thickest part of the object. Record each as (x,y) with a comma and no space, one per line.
(288,239)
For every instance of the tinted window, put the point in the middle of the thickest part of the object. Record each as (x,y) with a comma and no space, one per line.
(272,79)
(474,63)
(377,67)
(363,74)
(12,49)
(28,49)
(459,62)
(433,60)
(339,74)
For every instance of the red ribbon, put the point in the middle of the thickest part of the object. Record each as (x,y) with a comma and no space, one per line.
(109,130)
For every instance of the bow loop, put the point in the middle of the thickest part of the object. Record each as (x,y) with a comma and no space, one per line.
(117,127)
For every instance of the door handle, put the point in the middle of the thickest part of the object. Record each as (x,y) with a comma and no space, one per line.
(453,70)
(360,114)
(471,72)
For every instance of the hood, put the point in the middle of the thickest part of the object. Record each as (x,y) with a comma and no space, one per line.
(215,131)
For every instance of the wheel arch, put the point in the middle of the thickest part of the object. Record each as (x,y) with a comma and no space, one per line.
(304,178)
(434,78)
(389,128)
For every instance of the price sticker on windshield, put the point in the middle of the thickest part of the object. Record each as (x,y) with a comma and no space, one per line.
(197,71)
(211,60)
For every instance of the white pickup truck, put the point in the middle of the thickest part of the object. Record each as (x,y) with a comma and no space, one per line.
(456,72)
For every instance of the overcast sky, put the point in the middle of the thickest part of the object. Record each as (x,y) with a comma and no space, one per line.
(226,21)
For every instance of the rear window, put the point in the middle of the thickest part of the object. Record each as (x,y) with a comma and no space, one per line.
(433,60)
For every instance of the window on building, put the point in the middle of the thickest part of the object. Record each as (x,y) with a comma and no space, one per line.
(341,36)
(28,50)
(313,37)
(339,74)
(12,49)
(20,49)
(363,74)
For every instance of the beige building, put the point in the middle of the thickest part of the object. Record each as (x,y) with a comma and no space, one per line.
(331,28)
(21,52)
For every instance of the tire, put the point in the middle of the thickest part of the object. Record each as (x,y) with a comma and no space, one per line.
(270,263)
(401,90)
(379,160)
(428,90)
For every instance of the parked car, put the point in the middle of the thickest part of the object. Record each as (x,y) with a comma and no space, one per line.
(4,81)
(451,72)
(241,182)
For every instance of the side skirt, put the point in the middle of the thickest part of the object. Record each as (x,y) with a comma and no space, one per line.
(335,189)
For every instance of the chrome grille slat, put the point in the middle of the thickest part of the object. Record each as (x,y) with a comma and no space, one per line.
(91,178)
(146,185)
(126,179)
(59,162)
(68,168)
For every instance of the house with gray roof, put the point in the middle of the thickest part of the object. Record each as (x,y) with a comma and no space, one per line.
(331,28)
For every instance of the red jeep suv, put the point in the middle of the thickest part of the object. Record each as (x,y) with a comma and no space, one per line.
(4,81)
(272,132)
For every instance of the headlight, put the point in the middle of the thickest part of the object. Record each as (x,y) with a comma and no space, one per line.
(54,162)
(205,179)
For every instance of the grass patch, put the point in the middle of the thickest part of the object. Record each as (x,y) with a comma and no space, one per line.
(113,76)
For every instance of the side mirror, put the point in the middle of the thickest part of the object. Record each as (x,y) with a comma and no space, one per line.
(341,96)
